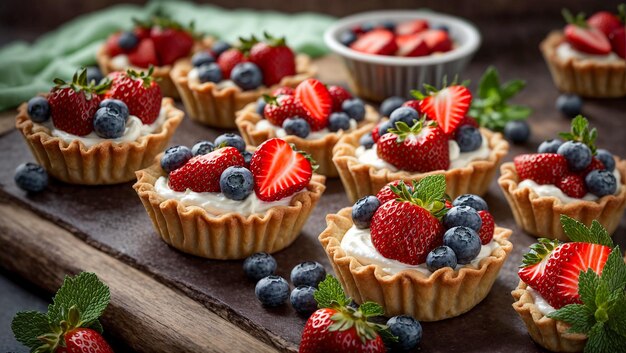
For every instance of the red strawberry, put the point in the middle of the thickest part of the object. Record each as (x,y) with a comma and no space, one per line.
(376,132)
(275,59)
(142,32)
(288,91)
(338,94)
(415,149)
(412,45)
(411,27)
(112,46)
(448,204)
(468,120)
(573,185)
(437,40)
(488,227)
(618,41)
(316,101)
(595,164)
(587,39)
(144,54)
(385,194)
(81,340)
(229,59)
(202,173)
(140,92)
(171,44)
(278,170)
(413,103)
(534,263)
(378,41)
(542,168)
(447,107)
(282,107)
(605,21)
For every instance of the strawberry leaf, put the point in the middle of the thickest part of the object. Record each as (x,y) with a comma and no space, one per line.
(330,294)
(539,251)
(86,292)
(27,326)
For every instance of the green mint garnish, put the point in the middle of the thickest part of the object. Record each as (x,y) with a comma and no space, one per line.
(580,132)
(330,293)
(428,193)
(576,231)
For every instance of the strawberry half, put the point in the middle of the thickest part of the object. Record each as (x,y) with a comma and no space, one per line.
(171,44)
(202,173)
(282,107)
(279,171)
(437,40)
(534,263)
(316,101)
(604,21)
(447,107)
(582,37)
(412,45)
(275,59)
(542,168)
(411,27)
(139,91)
(378,42)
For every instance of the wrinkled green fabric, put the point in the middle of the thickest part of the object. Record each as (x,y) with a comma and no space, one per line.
(26,69)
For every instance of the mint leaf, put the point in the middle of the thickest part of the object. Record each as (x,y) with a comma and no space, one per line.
(588,283)
(578,315)
(489,84)
(617,315)
(28,325)
(600,235)
(602,339)
(516,112)
(329,293)
(576,231)
(614,271)
(431,188)
(371,309)
(512,88)
(86,292)
(96,326)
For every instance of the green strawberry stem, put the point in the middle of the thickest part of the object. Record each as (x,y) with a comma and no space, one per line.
(79,84)
(145,76)
(274,41)
(578,20)
(428,193)
(432,90)
(539,251)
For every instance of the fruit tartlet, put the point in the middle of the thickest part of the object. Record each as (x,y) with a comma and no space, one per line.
(158,41)
(83,133)
(312,116)
(220,201)
(420,138)
(566,177)
(589,57)
(415,253)
(215,83)
(571,296)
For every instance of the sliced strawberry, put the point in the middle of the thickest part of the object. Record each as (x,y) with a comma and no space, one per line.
(411,27)
(282,107)
(588,40)
(618,41)
(229,59)
(316,101)
(534,263)
(573,185)
(202,173)
(437,40)
(338,95)
(487,228)
(171,44)
(378,41)
(287,91)
(447,107)
(385,194)
(412,45)
(144,54)
(542,168)
(278,170)
(605,21)
(112,45)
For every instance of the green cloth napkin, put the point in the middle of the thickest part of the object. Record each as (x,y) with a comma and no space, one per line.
(26,70)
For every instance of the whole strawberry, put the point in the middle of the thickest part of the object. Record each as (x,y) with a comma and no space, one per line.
(386,193)
(139,91)
(282,107)
(573,185)
(202,173)
(84,340)
(229,59)
(542,168)
(171,43)
(275,59)
(338,95)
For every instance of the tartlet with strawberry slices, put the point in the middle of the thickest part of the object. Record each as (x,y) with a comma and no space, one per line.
(566,177)
(218,205)
(219,81)
(415,253)
(428,135)
(83,133)
(312,116)
(589,57)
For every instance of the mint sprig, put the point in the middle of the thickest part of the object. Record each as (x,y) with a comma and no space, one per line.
(428,193)
(330,293)
(581,132)
(578,232)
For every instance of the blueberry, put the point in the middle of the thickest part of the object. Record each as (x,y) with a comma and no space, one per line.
(219,47)
(202,147)
(128,40)
(308,273)
(462,216)
(368,26)
(296,126)
(440,257)
(517,131)
(569,105)
(108,124)
(388,25)
(302,300)
(260,107)
(175,157)
(94,74)
(468,138)
(209,73)
(247,76)
(390,104)
(117,106)
(474,201)
(601,183)
(31,177)
(236,183)
(259,265)
(549,146)
(385,127)
(272,291)
(232,140)
(407,330)
(338,121)
(363,211)
(201,58)
(38,109)
(606,158)
(464,242)
(577,154)
(247,157)
(367,140)
(354,108)
(406,115)
(346,38)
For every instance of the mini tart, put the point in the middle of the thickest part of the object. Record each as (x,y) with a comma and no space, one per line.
(444,294)
(191,229)
(540,215)
(361,179)
(104,163)
(586,77)
(320,149)
(210,105)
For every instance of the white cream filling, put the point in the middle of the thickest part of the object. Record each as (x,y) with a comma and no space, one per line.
(358,243)
(565,51)
(120,62)
(540,302)
(216,203)
(265,124)
(193,76)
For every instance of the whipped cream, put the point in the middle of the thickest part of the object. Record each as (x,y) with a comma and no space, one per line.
(358,243)
(193,76)
(565,51)
(120,62)
(265,124)
(549,190)
(133,131)
(540,302)
(216,203)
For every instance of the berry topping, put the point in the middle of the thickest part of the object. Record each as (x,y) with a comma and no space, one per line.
(308,273)
(542,168)
(468,138)
(601,183)
(202,147)
(229,59)
(247,76)
(605,21)
(278,109)
(411,27)
(272,291)
(296,126)
(338,121)
(236,183)
(144,55)
(488,227)
(606,158)
(447,106)
(363,210)
(440,257)
(474,201)
(31,177)
(94,74)
(407,115)
(549,146)
(367,140)
(210,72)
(219,47)
(38,109)
(274,58)
(465,243)
(202,173)
(286,90)
(259,265)
(573,185)
(583,37)
(175,157)
(108,123)
(389,105)
(462,216)
(139,91)
(127,41)
(412,45)
(338,95)
(437,40)
(577,154)
(232,140)
(354,108)
(316,101)
(202,58)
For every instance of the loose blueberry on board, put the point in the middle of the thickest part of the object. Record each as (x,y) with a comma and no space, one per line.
(308,273)
(39,109)
(468,138)
(260,106)
(236,183)
(517,131)
(31,177)
(363,211)
(462,216)
(354,108)
(367,140)
(232,140)
(407,115)
(259,265)
(296,126)
(128,41)
(601,183)
(549,146)
(606,158)
(247,76)
(440,257)
(407,330)
(272,291)
(577,154)
(302,300)
(175,157)
(247,157)
(219,47)
(94,74)
(338,121)
(389,105)
(201,58)
(209,73)
(202,147)
(569,105)
(346,38)
(118,106)
(108,124)
(465,243)
(474,201)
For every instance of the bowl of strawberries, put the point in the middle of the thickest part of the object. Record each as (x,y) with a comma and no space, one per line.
(388,53)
